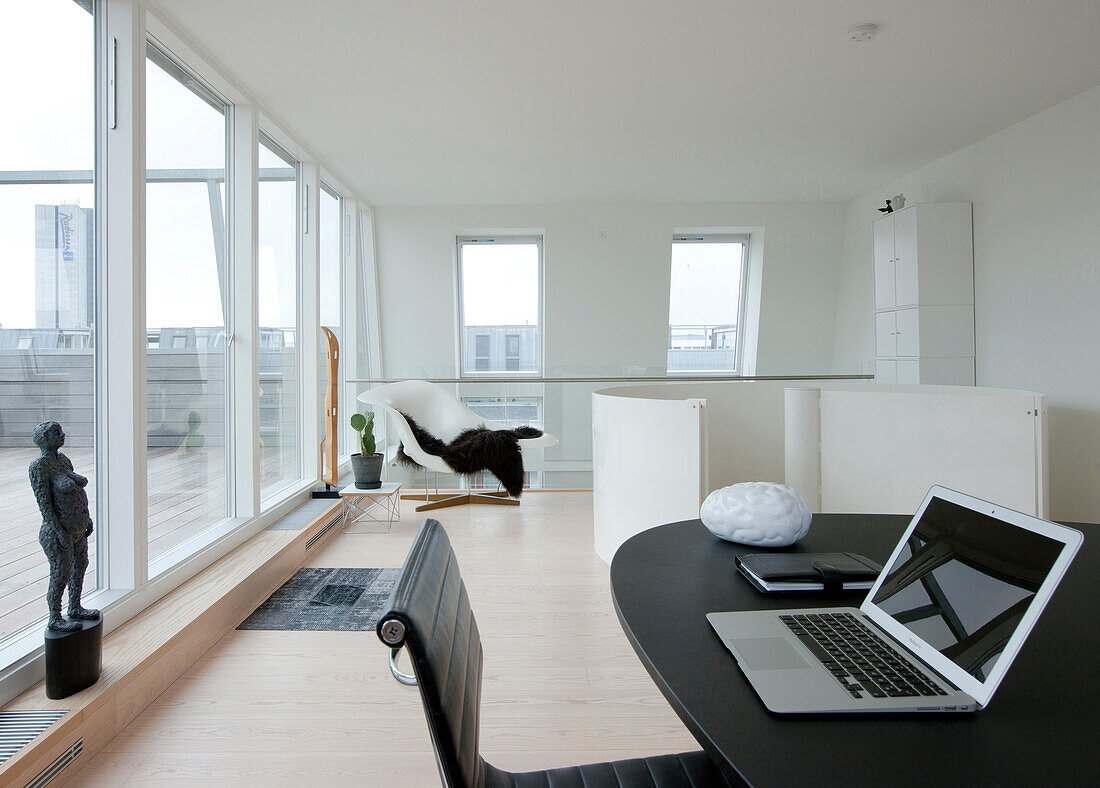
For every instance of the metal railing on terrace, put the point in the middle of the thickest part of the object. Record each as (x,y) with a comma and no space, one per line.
(48,374)
(702,348)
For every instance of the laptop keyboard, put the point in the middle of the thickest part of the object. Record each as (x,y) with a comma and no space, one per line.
(857,657)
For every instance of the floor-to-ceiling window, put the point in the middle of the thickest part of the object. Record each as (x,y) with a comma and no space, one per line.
(48,313)
(187,304)
(280,368)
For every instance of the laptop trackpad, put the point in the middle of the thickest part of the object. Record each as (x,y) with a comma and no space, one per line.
(769,654)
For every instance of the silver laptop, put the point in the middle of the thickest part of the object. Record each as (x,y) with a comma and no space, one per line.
(937,631)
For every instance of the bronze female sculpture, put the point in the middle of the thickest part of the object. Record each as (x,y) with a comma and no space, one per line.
(66,525)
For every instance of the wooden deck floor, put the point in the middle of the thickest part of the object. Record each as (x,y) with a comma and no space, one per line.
(187,493)
(562,685)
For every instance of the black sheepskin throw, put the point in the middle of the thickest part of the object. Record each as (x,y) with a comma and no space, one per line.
(477,449)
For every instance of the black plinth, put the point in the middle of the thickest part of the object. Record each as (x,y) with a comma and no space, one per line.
(73,659)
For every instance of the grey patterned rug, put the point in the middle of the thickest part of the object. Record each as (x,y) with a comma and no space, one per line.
(344,600)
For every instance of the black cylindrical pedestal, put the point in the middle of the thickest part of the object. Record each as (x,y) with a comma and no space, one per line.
(73,659)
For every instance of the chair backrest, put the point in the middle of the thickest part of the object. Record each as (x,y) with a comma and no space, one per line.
(429,614)
(432,407)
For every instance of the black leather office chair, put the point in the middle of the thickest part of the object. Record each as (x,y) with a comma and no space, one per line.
(429,614)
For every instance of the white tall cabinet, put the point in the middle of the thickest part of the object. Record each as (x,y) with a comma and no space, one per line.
(924,295)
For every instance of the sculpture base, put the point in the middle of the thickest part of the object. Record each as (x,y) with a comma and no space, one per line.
(73,659)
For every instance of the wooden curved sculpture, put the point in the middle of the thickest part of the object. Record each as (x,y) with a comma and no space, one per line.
(330,454)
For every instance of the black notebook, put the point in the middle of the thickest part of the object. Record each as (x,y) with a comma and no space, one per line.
(771,572)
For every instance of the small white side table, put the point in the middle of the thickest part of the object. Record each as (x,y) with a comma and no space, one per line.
(371,511)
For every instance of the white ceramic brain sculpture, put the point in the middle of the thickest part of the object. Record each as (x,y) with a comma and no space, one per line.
(757,513)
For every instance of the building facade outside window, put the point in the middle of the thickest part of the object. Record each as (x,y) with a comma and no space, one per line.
(500,293)
(187,304)
(278,266)
(48,265)
(706,309)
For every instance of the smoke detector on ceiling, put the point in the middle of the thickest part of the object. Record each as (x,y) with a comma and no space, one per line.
(862,32)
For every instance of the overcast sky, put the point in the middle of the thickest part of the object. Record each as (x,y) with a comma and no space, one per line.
(706,283)
(51,127)
(500,284)
(48,111)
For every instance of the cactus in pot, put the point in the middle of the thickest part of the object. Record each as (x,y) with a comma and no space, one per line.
(367,465)
(364,425)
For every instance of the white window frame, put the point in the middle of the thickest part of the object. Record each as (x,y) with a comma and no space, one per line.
(742,297)
(306,220)
(497,239)
(167,46)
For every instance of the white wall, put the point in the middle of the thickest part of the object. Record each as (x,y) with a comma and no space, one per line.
(606,281)
(1035,187)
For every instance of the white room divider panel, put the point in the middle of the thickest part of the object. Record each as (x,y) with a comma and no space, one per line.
(882,447)
(649,465)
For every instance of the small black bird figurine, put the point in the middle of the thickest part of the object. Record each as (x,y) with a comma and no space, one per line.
(888,209)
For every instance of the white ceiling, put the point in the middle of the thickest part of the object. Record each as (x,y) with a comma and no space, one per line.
(531,101)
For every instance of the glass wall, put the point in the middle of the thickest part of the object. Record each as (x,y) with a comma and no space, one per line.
(48,267)
(69,217)
(501,279)
(186,304)
(280,387)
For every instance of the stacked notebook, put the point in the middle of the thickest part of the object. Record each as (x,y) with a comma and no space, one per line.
(773,572)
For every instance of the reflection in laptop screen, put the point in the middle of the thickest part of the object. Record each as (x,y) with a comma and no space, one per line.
(963,582)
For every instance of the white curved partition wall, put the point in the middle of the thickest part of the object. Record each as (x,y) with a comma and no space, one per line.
(654,459)
(658,450)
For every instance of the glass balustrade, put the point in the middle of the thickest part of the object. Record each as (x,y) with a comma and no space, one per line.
(559,403)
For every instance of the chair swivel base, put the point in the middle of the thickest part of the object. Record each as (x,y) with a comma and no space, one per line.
(442,500)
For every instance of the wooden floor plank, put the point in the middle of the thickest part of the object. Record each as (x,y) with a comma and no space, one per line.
(562,685)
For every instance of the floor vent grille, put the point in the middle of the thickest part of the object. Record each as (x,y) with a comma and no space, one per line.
(337,517)
(54,769)
(20,728)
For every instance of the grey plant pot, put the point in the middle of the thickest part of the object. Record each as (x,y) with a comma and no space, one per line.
(367,470)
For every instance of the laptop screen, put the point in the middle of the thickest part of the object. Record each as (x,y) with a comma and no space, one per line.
(963,581)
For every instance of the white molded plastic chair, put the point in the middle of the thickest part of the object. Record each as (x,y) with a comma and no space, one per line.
(438,412)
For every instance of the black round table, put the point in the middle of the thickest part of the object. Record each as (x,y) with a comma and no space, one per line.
(1039,728)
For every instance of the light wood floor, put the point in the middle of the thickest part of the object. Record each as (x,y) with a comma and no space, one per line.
(562,686)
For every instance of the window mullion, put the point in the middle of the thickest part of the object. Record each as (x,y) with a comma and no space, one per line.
(309,332)
(244,364)
(123,327)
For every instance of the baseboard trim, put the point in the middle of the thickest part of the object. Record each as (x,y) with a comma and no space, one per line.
(146,655)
